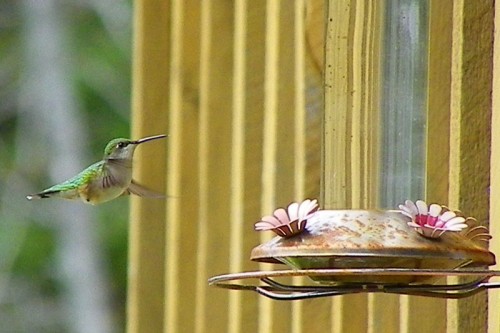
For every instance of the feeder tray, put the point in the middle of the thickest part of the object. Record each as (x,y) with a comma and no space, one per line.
(360,251)
(352,239)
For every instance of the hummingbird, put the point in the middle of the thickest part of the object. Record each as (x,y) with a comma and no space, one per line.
(104,180)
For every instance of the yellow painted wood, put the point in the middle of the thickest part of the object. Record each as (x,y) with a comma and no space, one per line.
(249,27)
(338,104)
(470,135)
(249,70)
(315,33)
(310,315)
(278,157)
(313,94)
(270,122)
(350,146)
(300,129)
(494,295)
(236,256)
(182,177)
(239,88)
(145,303)
(215,136)
(218,152)
(438,100)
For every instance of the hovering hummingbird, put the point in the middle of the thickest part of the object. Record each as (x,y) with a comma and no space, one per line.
(104,180)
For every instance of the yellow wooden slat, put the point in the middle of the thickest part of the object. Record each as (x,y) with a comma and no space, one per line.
(232,80)
(238,161)
(438,100)
(300,129)
(254,62)
(315,314)
(337,105)
(494,295)
(278,164)
(182,176)
(470,135)
(268,196)
(214,226)
(206,47)
(145,304)
(314,31)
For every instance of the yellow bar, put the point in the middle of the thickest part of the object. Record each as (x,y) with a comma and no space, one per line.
(182,183)
(247,133)
(171,295)
(315,314)
(300,129)
(494,295)
(471,82)
(237,199)
(147,228)
(272,318)
(215,135)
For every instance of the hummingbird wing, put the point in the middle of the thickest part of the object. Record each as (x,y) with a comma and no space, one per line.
(137,189)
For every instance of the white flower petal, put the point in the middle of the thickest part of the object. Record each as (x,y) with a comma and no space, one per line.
(409,208)
(304,208)
(455,220)
(264,225)
(422,207)
(413,225)
(271,219)
(293,211)
(434,210)
(281,215)
(456,227)
(447,215)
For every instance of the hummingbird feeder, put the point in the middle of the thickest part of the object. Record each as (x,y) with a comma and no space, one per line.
(408,251)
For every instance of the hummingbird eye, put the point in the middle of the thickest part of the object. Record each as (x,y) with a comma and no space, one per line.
(121,145)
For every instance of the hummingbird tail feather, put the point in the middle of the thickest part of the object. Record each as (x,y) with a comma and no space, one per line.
(41,195)
(142,191)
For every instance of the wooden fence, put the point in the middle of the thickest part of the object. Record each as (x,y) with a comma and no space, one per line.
(271,101)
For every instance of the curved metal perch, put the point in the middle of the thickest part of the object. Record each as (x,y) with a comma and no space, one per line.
(279,291)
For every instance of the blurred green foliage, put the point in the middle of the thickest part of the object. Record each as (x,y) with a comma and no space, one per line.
(100,79)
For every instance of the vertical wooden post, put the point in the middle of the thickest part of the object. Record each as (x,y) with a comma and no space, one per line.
(147,227)
(246,154)
(232,95)
(182,209)
(215,141)
(470,133)
(278,163)
(494,295)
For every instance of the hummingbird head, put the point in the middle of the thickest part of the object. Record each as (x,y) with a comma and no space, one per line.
(123,149)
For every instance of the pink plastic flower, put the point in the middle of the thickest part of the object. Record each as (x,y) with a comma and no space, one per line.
(432,221)
(290,221)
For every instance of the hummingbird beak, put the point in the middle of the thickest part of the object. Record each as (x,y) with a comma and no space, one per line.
(149,138)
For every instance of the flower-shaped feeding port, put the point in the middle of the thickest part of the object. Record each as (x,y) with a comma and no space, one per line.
(432,221)
(290,221)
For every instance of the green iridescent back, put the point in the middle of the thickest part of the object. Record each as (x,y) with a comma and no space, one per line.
(80,179)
